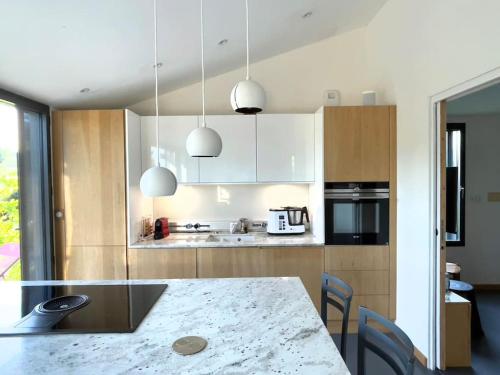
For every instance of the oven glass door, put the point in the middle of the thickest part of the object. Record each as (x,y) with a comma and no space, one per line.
(357,222)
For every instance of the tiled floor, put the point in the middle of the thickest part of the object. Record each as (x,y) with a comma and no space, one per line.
(485,351)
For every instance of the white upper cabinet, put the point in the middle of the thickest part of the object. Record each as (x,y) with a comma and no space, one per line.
(285,148)
(174,131)
(236,163)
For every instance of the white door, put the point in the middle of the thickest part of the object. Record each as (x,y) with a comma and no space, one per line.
(285,148)
(174,131)
(236,163)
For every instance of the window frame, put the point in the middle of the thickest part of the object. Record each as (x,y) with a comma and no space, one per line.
(452,126)
(24,104)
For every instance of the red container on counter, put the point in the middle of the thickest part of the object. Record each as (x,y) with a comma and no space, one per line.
(161,228)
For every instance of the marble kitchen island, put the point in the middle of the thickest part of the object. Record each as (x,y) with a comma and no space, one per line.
(252,325)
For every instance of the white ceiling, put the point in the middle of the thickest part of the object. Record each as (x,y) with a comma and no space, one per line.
(482,102)
(50,50)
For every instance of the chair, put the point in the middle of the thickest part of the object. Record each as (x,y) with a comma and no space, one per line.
(331,285)
(394,347)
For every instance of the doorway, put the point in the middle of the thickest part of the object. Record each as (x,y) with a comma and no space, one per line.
(453,197)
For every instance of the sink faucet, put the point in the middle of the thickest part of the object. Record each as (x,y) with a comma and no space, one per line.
(240,227)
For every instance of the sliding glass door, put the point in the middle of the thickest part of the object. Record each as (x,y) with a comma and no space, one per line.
(26,251)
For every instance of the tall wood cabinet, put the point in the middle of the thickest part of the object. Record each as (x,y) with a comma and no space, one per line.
(360,146)
(88,154)
(357,143)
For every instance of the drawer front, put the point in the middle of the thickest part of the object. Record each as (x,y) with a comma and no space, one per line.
(162,263)
(356,258)
(378,304)
(365,282)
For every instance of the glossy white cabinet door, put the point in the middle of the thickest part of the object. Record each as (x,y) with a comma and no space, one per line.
(174,131)
(285,148)
(237,162)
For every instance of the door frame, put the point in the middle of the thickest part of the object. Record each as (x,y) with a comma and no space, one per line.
(437,107)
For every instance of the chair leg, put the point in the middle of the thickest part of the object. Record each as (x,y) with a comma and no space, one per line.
(343,339)
(361,357)
(324,311)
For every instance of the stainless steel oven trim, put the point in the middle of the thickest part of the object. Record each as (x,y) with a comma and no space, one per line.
(357,196)
(356,191)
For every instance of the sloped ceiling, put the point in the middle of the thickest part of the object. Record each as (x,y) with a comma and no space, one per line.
(50,50)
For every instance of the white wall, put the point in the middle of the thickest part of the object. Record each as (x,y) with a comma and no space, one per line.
(229,202)
(415,50)
(479,257)
(294,81)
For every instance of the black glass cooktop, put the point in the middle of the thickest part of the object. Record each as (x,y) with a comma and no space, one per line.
(50,309)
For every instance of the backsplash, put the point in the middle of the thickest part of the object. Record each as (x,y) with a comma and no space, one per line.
(229,202)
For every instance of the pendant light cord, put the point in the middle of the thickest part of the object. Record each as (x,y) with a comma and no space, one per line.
(202,65)
(156,88)
(248,44)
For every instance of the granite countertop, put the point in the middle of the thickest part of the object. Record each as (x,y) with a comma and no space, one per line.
(253,326)
(190,240)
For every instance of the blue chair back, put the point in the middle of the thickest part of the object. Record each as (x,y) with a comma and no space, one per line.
(337,293)
(394,347)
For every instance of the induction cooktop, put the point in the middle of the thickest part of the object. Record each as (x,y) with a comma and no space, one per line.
(51,309)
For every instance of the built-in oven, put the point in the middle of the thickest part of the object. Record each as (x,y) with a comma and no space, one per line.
(357,213)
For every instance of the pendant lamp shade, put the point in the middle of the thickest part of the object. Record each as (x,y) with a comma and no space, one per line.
(157,181)
(248,96)
(203,142)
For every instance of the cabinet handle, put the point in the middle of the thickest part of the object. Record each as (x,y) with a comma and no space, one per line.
(59,215)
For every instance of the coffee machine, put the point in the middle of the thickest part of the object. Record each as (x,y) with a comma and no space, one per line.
(287,220)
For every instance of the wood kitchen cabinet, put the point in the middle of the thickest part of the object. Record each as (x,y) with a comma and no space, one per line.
(458,331)
(88,155)
(357,143)
(95,263)
(305,262)
(368,270)
(162,263)
(285,148)
(173,132)
(236,163)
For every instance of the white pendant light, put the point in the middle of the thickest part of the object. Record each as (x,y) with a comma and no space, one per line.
(203,142)
(248,96)
(157,181)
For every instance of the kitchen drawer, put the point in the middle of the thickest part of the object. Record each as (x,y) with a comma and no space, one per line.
(162,263)
(377,303)
(365,282)
(356,258)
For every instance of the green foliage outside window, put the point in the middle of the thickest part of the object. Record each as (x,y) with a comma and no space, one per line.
(9,206)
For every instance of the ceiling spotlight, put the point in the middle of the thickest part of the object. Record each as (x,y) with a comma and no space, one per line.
(222,42)
(307,15)
(84,90)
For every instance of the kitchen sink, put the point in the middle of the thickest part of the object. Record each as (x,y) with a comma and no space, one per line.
(230,238)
